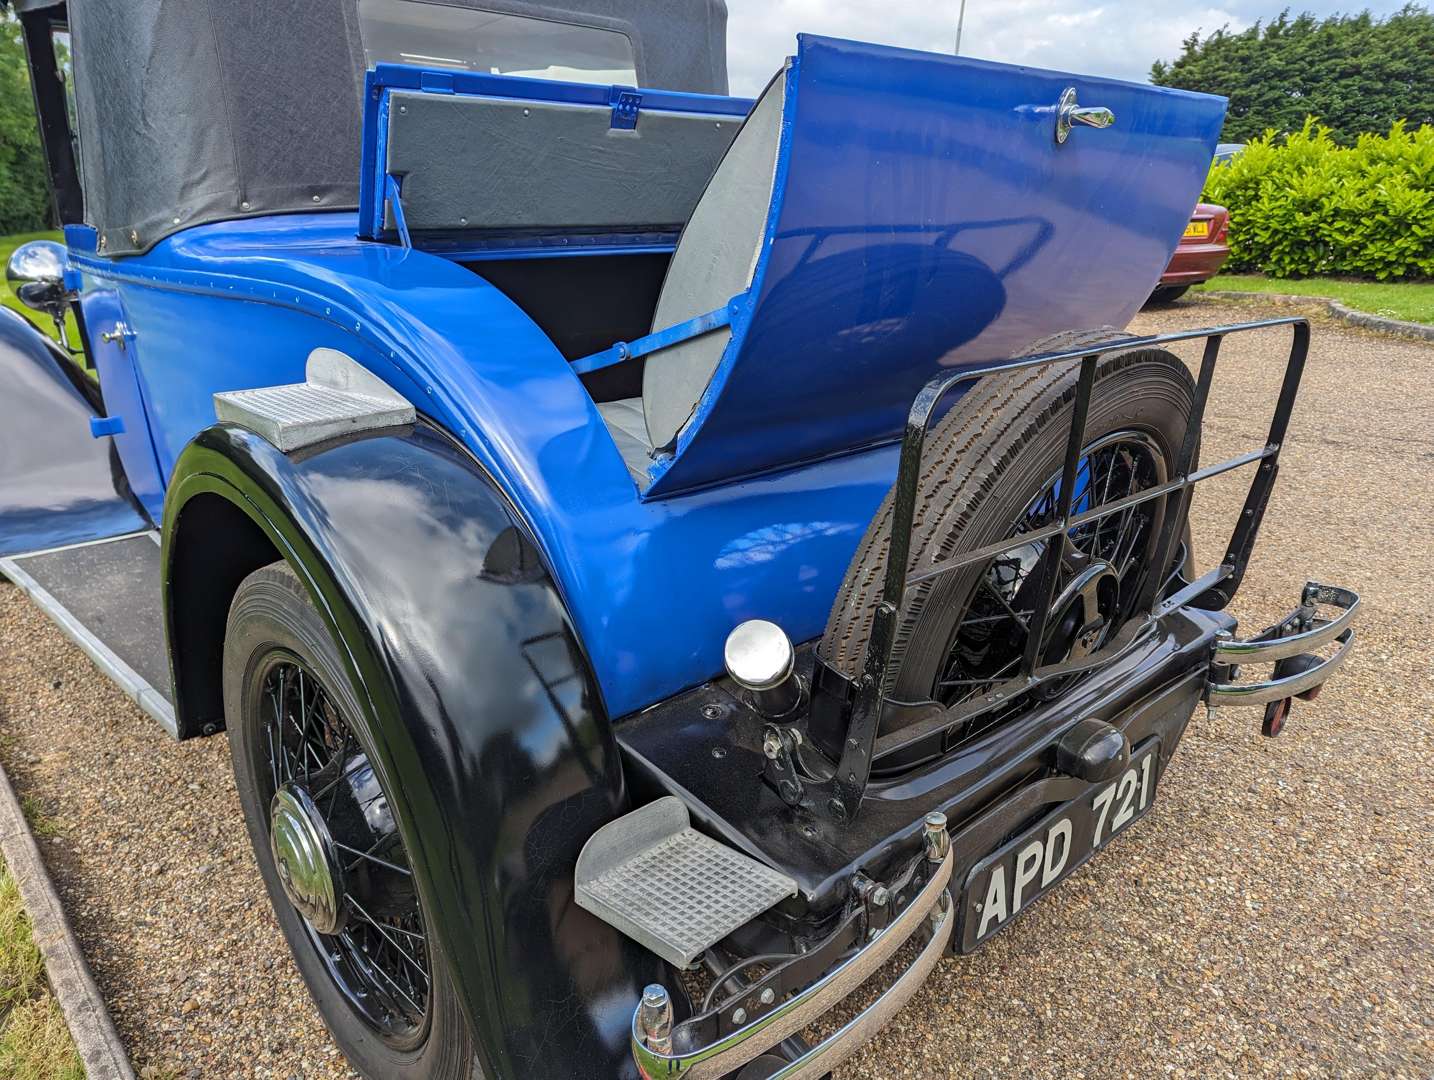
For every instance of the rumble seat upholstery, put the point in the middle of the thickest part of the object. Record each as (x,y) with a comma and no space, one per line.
(715,259)
(628,428)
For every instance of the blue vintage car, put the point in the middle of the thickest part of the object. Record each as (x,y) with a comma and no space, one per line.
(486,402)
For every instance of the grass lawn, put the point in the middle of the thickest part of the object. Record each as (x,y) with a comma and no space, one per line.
(9,299)
(35,1044)
(1412,301)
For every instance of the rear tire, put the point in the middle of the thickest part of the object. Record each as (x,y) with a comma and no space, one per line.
(1167,294)
(984,463)
(272,621)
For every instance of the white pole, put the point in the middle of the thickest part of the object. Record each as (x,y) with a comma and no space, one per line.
(960,19)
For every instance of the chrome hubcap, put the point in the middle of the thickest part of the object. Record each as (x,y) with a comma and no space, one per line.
(304,855)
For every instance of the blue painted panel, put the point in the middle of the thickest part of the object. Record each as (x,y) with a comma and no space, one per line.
(654,588)
(116,362)
(924,217)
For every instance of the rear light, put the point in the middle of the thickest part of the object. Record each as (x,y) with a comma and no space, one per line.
(1222,231)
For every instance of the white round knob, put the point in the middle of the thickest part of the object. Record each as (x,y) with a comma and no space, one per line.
(758,655)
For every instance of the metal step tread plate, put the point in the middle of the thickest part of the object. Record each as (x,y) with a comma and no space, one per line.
(105,596)
(670,888)
(338,397)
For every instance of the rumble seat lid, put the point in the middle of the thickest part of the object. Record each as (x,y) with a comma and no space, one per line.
(923,216)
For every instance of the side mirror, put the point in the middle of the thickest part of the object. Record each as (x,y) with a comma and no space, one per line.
(36,274)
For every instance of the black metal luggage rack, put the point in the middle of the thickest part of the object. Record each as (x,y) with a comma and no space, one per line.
(840,796)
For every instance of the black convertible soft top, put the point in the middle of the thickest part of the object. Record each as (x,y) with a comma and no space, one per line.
(202,110)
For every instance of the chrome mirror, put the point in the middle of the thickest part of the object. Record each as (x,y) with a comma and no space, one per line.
(36,274)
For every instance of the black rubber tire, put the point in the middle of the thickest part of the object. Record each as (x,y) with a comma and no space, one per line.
(1167,294)
(984,463)
(271,610)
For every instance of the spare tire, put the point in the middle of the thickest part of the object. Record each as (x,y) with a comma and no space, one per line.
(991,470)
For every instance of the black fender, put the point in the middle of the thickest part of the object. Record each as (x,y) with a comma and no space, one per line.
(486,718)
(58,484)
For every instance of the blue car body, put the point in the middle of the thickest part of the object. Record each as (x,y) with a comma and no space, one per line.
(797,444)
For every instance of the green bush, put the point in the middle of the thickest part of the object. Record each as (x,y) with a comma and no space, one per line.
(1300,204)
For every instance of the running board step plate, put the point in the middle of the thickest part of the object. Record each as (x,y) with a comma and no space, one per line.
(338,397)
(670,888)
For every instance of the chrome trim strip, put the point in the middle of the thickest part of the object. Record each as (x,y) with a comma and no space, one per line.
(125,677)
(728,1054)
(1262,693)
(1256,651)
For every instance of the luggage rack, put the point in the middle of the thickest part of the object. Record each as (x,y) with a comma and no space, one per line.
(1211,591)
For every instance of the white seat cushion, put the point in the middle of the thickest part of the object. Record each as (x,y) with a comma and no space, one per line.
(624,422)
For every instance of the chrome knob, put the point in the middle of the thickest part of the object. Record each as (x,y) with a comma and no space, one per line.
(1068,114)
(760,659)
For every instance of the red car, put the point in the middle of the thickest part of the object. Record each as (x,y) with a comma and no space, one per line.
(1201,251)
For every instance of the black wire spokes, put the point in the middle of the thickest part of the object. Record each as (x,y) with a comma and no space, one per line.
(990,640)
(379,955)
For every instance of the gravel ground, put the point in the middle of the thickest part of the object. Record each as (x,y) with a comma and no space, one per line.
(1271,915)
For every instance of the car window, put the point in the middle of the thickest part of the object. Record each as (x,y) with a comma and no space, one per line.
(436,35)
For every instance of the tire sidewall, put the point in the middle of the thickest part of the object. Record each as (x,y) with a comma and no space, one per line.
(271,613)
(938,609)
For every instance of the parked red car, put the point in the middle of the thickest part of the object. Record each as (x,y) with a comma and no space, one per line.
(1198,256)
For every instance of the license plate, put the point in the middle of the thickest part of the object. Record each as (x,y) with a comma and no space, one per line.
(1006,883)
(1197,230)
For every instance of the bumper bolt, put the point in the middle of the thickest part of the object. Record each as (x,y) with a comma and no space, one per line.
(654,1018)
(767,996)
(739,1017)
(772,744)
(936,838)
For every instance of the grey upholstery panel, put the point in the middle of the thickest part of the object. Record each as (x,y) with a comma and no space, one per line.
(713,262)
(490,163)
(624,422)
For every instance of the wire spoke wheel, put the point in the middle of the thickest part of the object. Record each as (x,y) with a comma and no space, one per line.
(1107,559)
(338,852)
(991,472)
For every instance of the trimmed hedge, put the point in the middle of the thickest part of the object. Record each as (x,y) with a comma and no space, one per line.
(1300,204)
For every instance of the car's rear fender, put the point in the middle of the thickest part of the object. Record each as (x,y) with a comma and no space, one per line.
(60,483)
(486,720)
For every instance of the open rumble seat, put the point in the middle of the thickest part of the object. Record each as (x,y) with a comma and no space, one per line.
(714,261)
(879,217)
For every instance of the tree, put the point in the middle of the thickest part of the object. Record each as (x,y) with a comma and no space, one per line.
(1354,72)
(24,181)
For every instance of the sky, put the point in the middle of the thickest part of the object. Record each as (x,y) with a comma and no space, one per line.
(1119,38)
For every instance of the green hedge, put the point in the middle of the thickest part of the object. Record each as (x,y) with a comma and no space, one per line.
(1300,204)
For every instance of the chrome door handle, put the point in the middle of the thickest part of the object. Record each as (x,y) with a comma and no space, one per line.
(1068,113)
(118,336)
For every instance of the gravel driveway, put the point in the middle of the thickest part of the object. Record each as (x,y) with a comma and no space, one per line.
(1271,915)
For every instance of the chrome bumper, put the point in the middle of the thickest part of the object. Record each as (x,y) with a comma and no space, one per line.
(930,917)
(1299,634)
